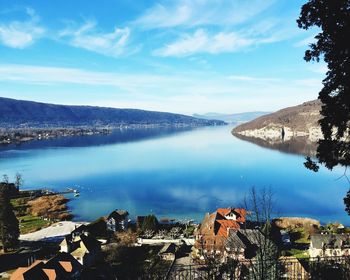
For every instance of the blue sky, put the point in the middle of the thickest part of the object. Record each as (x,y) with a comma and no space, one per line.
(179,56)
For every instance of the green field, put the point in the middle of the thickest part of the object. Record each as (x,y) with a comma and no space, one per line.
(27,223)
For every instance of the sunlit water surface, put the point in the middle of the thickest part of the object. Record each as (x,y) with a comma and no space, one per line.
(173,173)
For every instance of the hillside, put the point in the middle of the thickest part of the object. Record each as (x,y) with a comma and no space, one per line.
(232,118)
(301,120)
(19,113)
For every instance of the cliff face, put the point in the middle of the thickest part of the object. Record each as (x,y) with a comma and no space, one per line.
(301,120)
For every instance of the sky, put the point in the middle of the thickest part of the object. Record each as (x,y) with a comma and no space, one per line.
(183,56)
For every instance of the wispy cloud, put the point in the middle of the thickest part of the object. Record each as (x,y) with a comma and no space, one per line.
(88,37)
(306,41)
(251,79)
(190,13)
(32,74)
(321,68)
(21,34)
(202,42)
(216,26)
(173,92)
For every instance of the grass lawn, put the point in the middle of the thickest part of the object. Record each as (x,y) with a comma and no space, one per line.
(299,254)
(300,236)
(27,223)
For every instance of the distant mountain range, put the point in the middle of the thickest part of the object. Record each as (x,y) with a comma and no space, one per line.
(232,118)
(296,121)
(19,113)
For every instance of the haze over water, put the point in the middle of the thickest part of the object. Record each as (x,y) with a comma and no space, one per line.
(173,173)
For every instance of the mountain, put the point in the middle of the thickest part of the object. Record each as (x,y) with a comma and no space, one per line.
(296,121)
(232,118)
(19,113)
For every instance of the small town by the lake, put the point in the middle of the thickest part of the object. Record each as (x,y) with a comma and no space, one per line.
(175,139)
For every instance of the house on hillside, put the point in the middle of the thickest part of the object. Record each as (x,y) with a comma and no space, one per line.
(212,234)
(61,266)
(329,245)
(84,248)
(244,243)
(118,220)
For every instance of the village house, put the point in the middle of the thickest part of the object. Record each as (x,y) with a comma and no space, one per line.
(117,220)
(244,243)
(62,266)
(329,245)
(84,248)
(212,234)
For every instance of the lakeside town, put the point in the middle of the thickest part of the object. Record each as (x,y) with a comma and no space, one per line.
(20,135)
(229,242)
(181,140)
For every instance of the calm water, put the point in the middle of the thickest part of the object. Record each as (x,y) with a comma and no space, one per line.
(173,173)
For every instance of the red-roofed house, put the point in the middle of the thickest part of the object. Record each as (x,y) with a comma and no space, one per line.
(62,266)
(212,234)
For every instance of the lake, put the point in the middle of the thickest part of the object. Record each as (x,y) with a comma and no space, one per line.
(175,173)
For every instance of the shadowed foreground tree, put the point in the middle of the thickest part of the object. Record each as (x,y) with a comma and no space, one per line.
(9,227)
(333,46)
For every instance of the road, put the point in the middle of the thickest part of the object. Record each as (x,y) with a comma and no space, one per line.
(54,233)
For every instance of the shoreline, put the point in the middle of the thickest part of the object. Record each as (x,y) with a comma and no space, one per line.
(40,208)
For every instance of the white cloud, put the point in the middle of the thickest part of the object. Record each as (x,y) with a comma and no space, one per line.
(251,79)
(189,13)
(202,42)
(320,68)
(88,37)
(306,41)
(173,92)
(21,34)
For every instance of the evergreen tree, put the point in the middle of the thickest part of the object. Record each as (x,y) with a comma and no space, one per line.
(150,223)
(9,226)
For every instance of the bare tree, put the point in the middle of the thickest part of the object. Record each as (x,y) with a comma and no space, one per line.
(18,180)
(148,233)
(174,232)
(162,233)
(5,179)
(264,261)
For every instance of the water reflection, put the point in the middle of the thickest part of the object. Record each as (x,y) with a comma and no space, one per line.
(181,175)
(116,136)
(296,145)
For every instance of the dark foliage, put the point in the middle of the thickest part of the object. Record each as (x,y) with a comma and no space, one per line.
(150,223)
(333,45)
(98,228)
(9,226)
(310,164)
(347,202)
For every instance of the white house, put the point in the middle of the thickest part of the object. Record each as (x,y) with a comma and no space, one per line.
(329,245)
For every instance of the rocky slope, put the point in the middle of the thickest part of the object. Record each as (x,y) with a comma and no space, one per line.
(301,120)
